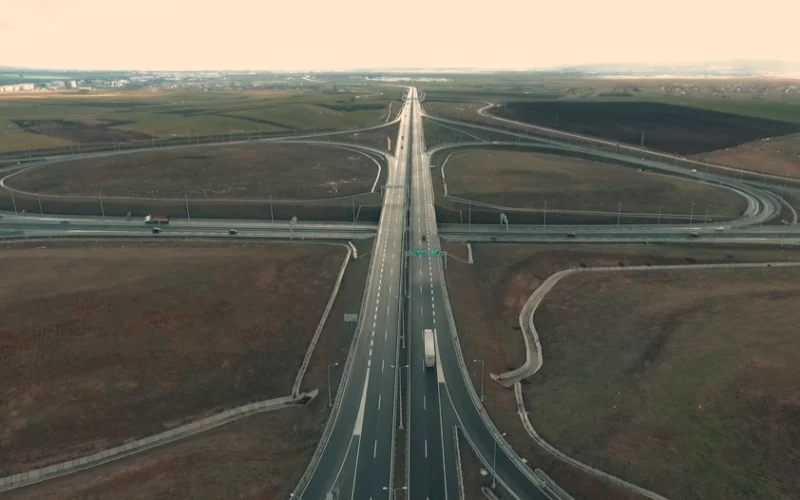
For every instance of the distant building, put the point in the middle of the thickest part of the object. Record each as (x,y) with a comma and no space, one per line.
(72,84)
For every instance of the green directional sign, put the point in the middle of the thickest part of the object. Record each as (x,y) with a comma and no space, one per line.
(432,165)
(435,252)
(420,252)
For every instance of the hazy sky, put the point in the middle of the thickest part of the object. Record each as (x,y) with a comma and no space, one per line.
(331,34)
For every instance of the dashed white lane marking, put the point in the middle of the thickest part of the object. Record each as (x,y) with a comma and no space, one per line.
(370,342)
(385,334)
(369,363)
(376,308)
(382,363)
(374,323)
(426,448)
(375,449)
(420,310)
(370,352)
(424,402)
(379,401)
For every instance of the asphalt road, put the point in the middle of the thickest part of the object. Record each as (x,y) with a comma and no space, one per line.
(442,398)
(356,453)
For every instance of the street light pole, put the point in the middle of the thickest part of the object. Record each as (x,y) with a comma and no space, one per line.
(705,217)
(544,221)
(400,393)
(494,464)
(483,371)
(186,199)
(330,396)
(102,210)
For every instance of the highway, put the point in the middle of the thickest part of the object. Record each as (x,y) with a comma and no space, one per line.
(355,457)
(442,398)
(406,293)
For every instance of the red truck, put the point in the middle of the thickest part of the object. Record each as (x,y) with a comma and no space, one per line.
(156,219)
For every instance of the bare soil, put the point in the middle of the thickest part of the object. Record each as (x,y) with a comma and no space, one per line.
(684,382)
(775,157)
(237,172)
(488,296)
(668,128)
(106,342)
(257,458)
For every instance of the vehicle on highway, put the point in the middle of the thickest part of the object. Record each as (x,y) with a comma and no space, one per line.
(492,238)
(571,235)
(719,228)
(156,230)
(233,231)
(424,238)
(694,235)
(156,219)
(430,348)
(64,222)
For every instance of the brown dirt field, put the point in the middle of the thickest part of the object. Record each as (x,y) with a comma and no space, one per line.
(685,382)
(256,458)
(488,296)
(776,157)
(526,180)
(249,171)
(141,337)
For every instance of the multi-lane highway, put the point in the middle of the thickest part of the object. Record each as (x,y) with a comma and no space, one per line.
(442,398)
(355,456)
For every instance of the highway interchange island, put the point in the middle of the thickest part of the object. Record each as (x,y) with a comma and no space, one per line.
(407,417)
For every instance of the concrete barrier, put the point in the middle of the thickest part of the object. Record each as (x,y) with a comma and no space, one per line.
(310,351)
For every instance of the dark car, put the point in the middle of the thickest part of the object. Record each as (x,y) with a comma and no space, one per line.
(571,235)
(156,230)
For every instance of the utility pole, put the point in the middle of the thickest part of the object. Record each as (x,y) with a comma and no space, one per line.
(544,221)
(13,202)
(494,464)
(705,218)
(186,199)
(102,210)
(483,367)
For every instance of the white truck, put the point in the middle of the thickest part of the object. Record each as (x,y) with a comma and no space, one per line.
(430,348)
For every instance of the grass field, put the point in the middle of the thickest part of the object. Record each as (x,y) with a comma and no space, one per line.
(667,128)
(684,382)
(135,116)
(375,138)
(241,171)
(487,297)
(527,180)
(105,342)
